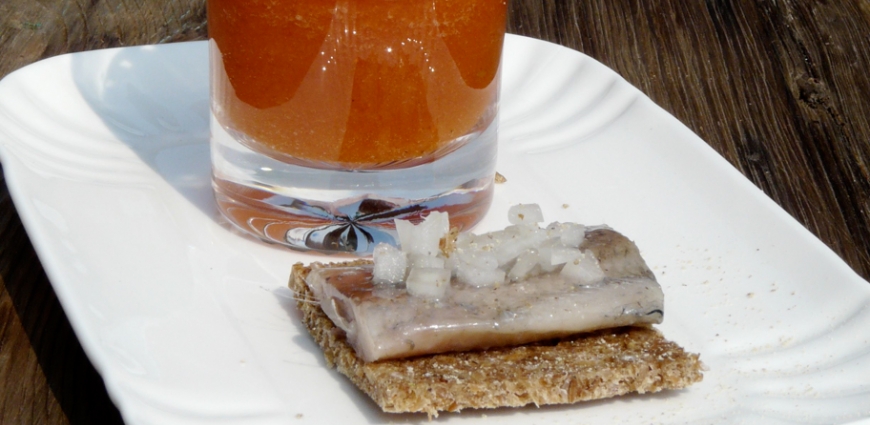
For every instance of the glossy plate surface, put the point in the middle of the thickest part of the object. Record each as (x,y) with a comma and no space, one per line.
(189,322)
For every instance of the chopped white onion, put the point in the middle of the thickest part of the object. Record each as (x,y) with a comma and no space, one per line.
(390,264)
(519,251)
(545,255)
(520,240)
(572,234)
(524,265)
(424,238)
(583,270)
(477,258)
(474,276)
(428,282)
(406,232)
(426,261)
(465,240)
(525,214)
(561,254)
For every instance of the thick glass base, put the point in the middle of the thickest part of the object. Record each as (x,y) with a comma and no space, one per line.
(347,211)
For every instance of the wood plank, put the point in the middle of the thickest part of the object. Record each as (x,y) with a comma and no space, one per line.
(777,88)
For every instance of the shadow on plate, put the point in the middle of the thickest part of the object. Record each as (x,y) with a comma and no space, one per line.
(155,100)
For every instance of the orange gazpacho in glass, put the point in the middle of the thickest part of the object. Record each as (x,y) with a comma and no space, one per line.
(355,84)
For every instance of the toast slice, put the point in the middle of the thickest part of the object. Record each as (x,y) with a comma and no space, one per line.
(589,366)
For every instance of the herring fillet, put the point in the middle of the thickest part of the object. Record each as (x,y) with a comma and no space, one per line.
(385,322)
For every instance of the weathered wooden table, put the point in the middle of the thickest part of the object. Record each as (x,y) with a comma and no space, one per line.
(780,89)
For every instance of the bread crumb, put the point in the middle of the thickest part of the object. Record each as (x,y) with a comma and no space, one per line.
(499,179)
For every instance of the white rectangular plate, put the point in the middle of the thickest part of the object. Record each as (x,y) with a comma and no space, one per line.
(190,322)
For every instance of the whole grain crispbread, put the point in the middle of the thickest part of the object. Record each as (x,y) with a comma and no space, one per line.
(590,366)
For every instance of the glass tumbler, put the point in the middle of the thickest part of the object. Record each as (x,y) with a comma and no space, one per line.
(332,118)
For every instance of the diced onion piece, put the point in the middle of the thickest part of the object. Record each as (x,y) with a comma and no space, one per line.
(490,240)
(521,241)
(525,214)
(439,222)
(519,251)
(524,265)
(572,234)
(427,261)
(545,254)
(508,250)
(390,264)
(465,240)
(428,282)
(562,254)
(424,238)
(406,232)
(484,260)
(527,229)
(451,263)
(479,277)
(584,270)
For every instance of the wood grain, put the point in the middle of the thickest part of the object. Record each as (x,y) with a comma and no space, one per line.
(777,88)
(780,89)
(33,30)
